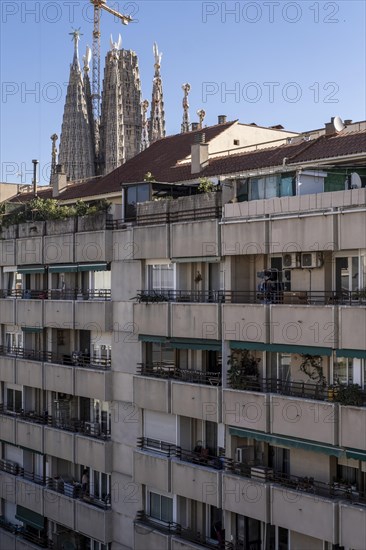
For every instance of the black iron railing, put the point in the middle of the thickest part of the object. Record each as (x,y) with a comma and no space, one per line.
(169,370)
(158,218)
(76,359)
(313,298)
(57,294)
(155,445)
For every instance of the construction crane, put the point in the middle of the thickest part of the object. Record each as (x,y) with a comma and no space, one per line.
(96,95)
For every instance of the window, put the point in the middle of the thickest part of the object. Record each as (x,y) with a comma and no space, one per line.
(161,277)
(13,400)
(268,187)
(162,353)
(160,507)
(236,142)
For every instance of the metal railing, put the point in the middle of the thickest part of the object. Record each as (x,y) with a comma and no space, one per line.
(77,426)
(76,359)
(313,298)
(42,541)
(155,445)
(158,218)
(77,294)
(171,371)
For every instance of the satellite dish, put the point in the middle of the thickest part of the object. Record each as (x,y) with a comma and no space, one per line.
(338,124)
(356,182)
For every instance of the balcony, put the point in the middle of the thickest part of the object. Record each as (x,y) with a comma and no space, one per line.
(153,456)
(95,452)
(352,422)
(29,313)
(197,480)
(59,443)
(94,313)
(7,310)
(59,313)
(93,246)
(246,409)
(248,496)
(352,526)
(7,367)
(152,318)
(93,522)
(30,434)
(353,327)
(13,537)
(196,401)
(151,393)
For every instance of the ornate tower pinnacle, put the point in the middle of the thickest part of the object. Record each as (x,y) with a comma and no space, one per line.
(76,142)
(145,126)
(201,115)
(54,138)
(157,117)
(185,124)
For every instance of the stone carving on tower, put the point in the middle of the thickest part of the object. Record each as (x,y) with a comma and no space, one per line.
(145,126)
(185,124)
(201,116)
(54,139)
(157,117)
(76,142)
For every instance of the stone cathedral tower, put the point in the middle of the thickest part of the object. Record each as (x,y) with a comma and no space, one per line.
(157,117)
(77,152)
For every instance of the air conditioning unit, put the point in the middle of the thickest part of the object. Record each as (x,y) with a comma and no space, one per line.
(310,260)
(291,260)
(244,454)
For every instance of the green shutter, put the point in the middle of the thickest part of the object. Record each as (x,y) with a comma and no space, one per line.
(63,269)
(30,518)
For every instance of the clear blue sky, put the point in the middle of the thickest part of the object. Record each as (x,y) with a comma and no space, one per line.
(293,63)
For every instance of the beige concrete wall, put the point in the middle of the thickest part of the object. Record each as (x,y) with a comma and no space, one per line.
(151,242)
(93,383)
(247,497)
(29,495)
(93,246)
(245,322)
(151,319)
(152,470)
(59,249)
(244,238)
(93,315)
(93,522)
(352,526)
(29,373)
(145,538)
(60,508)
(7,252)
(352,327)
(123,245)
(7,487)
(180,544)
(245,409)
(126,280)
(7,428)
(59,443)
(349,239)
(95,453)
(30,313)
(196,401)
(7,369)
(194,239)
(59,378)
(59,314)
(305,419)
(302,464)
(7,311)
(29,435)
(151,393)
(29,251)
(303,542)
(196,482)
(126,346)
(7,540)
(304,325)
(307,514)
(352,427)
(196,321)
(301,234)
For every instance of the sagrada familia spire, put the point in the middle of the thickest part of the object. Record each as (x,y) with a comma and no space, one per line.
(124,129)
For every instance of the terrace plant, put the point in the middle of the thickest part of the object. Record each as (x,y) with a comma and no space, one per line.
(243,372)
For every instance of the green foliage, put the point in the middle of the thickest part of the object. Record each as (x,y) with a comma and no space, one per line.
(243,372)
(206,185)
(348,395)
(149,177)
(150,297)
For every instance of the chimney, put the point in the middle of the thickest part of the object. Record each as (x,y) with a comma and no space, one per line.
(221,119)
(35,164)
(194,126)
(329,127)
(58,180)
(199,153)
(348,121)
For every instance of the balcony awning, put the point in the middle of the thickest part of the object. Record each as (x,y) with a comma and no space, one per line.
(355,353)
(30,518)
(154,339)
(356,455)
(195,259)
(288,442)
(63,269)
(281,348)
(30,269)
(102,266)
(32,330)
(183,343)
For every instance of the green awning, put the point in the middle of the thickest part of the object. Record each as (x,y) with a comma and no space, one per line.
(93,267)
(200,344)
(288,442)
(63,269)
(207,259)
(281,348)
(30,518)
(356,455)
(154,339)
(356,353)
(30,269)
(32,330)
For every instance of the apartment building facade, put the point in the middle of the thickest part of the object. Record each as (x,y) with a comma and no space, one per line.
(191,375)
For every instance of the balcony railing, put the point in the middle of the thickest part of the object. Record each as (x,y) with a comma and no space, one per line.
(313,298)
(41,541)
(169,370)
(155,445)
(319,392)
(57,294)
(76,359)
(83,427)
(172,528)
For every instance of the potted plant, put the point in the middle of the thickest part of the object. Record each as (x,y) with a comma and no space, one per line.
(349,395)
(243,372)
